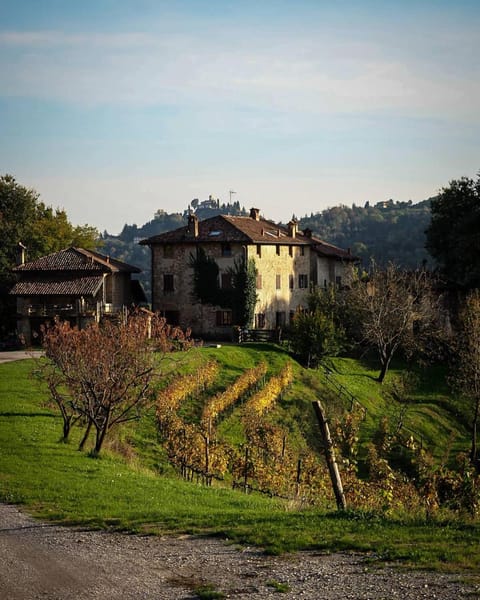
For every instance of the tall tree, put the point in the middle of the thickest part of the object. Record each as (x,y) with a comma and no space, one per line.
(42,229)
(453,234)
(466,372)
(23,217)
(395,310)
(244,292)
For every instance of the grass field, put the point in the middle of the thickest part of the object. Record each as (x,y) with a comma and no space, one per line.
(138,492)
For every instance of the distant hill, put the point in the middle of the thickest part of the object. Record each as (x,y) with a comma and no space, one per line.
(387,232)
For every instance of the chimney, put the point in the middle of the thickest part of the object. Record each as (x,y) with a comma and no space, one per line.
(192,227)
(292,228)
(307,232)
(255,214)
(20,254)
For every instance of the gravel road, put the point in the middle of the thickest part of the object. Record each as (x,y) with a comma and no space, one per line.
(41,561)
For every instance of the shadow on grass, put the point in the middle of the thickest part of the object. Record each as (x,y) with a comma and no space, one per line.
(28,414)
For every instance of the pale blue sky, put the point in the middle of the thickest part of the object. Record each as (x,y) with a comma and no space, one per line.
(113,109)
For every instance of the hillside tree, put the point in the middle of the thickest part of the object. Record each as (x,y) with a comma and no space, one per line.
(394,309)
(317,331)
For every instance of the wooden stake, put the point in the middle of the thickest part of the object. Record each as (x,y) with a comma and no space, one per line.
(330,456)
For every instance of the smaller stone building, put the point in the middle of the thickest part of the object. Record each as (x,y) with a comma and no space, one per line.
(74,284)
(288,262)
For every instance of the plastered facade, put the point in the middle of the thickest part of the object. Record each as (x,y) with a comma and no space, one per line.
(285,273)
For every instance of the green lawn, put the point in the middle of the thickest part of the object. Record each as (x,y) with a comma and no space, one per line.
(54,481)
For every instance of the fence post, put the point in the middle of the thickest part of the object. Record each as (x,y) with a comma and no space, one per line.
(330,456)
(207,452)
(299,475)
(245,471)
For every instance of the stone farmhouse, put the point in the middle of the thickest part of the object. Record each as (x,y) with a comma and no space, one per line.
(74,284)
(288,262)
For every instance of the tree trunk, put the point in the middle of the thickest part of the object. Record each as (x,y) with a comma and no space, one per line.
(330,456)
(66,429)
(85,435)
(101,433)
(385,364)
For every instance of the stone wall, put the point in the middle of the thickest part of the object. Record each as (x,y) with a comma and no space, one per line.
(285,274)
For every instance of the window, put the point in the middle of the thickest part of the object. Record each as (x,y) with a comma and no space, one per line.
(259,250)
(291,282)
(290,251)
(303,281)
(224,318)
(302,250)
(168,283)
(226,249)
(338,281)
(168,251)
(259,321)
(280,319)
(278,282)
(226,279)
(259,281)
(277,249)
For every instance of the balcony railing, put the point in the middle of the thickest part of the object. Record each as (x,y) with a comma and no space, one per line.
(71,309)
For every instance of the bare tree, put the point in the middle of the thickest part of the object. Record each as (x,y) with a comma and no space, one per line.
(60,397)
(394,309)
(106,370)
(466,373)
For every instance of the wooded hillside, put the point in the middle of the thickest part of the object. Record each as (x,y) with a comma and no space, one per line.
(387,232)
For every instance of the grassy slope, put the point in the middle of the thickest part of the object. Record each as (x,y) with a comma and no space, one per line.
(431,415)
(55,481)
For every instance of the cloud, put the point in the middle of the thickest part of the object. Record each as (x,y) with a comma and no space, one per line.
(52,39)
(327,74)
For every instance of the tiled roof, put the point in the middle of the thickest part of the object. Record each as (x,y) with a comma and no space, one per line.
(77,259)
(265,232)
(55,286)
(227,228)
(215,229)
(326,249)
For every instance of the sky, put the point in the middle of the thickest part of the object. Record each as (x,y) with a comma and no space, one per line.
(114,109)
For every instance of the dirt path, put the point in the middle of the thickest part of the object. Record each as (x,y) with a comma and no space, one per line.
(41,561)
(9,356)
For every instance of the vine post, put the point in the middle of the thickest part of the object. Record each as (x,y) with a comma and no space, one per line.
(330,455)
